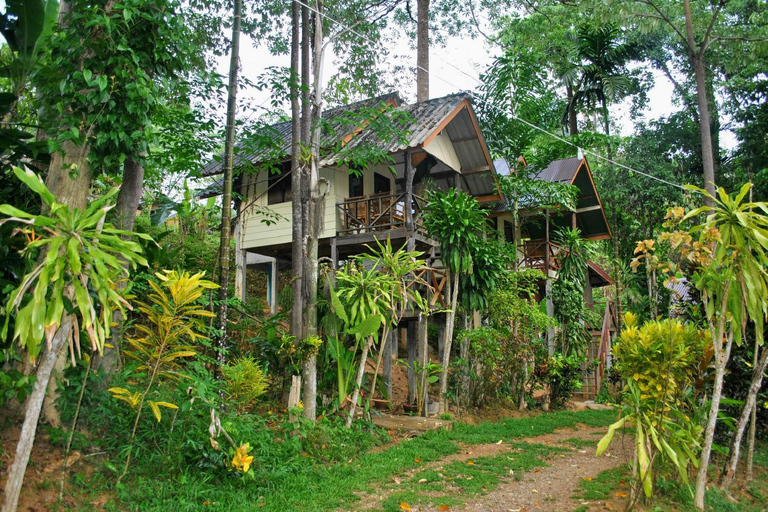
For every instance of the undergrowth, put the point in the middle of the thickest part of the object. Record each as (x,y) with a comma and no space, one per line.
(297,466)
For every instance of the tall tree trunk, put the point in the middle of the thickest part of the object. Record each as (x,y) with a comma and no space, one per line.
(226,201)
(573,124)
(69,180)
(450,316)
(721,358)
(297,229)
(699,71)
(422,51)
(313,223)
(729,470)
(34,405)
(128,199)
(131,192)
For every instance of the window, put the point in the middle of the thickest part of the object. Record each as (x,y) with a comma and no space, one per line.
(381,184)
(280,185)
(509,233)
(355,183)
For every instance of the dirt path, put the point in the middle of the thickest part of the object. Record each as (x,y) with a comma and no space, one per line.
(550,489)
(546,489)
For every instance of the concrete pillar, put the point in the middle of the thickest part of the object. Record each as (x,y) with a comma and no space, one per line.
(272,287)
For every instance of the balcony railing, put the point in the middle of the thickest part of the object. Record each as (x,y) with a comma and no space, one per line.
(534,255)
(379,212)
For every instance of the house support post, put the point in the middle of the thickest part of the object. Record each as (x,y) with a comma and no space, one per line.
(240,263)
(410,339)
(409,174)
(423,332)
(440,340)
(272,287)
(550,313)
(334,254)
(390,352)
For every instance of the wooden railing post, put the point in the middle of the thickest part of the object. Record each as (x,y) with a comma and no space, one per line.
(409,174)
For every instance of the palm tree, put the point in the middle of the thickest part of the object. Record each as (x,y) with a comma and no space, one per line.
(598,72)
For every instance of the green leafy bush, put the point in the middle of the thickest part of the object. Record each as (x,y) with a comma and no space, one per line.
(246,382)
(659,363)
(563,375)
(661,356)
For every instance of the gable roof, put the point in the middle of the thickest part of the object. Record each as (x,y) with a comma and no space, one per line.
(589,211)
(451,114)
(562,171)
(281,135)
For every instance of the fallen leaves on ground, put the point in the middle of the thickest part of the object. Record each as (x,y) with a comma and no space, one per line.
(404,506)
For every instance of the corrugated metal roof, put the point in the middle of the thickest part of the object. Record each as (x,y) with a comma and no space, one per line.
(426,118)
(560,170)
(282,135)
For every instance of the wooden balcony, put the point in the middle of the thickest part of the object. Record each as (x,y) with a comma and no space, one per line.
(377,213)
(539,254)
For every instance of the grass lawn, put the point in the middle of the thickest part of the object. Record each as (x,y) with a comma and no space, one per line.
(314,485)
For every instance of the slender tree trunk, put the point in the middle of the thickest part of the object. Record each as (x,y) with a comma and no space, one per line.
(721,358)
(128,199)
(359,380)
(729,471)
(34,405)
(422,51)
(752,426)
(297,230)
(449,321)
(699,71)
(314,221)
(226,202)
(383,349)
(573,124)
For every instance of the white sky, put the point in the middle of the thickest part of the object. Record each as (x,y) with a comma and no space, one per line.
(455,67)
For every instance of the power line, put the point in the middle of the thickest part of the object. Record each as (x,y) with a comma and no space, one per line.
(362,36)
(514,116)
(596,155)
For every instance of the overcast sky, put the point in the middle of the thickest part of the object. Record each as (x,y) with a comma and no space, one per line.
(453,68)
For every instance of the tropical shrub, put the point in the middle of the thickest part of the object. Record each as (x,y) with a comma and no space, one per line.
(173,322)
(562,374)
(659,363)
(246,382)
(661,356)
(571,311)
(513,310)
